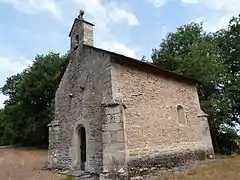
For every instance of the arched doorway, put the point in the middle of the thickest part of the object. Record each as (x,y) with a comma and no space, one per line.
(82,146)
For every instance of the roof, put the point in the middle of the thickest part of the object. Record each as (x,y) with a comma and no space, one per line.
(75,21)
(144,66)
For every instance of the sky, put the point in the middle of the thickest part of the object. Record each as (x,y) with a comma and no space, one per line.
(132,28)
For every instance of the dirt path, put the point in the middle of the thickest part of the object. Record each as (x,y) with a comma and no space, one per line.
(22,164)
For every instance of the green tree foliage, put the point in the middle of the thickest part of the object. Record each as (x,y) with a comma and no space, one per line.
(229,95)
(229,41)
(212,59)
(227,142)
(1,125)
(29,107)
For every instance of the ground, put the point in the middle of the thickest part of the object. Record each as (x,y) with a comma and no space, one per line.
(222,168)
(23,164)
(26,164)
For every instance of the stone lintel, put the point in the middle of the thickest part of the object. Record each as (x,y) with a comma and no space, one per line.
(115,102)
(202,115)
(52,124)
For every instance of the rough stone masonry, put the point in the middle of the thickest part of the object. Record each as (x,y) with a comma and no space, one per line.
(119,117)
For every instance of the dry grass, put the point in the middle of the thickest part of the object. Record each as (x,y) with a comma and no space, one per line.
(227,168)
(22,164)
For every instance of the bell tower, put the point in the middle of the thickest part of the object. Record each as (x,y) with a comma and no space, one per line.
(81,32)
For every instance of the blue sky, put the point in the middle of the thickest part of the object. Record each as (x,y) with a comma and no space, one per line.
(133,28)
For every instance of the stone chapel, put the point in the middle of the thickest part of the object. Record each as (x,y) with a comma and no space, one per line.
(115,115)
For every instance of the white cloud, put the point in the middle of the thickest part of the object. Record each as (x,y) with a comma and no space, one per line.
(211,25)
(104,14)
(105,17)
(118,48)
(10,67)
(34,6)
(190,1)
(232,6)
(158,3)
(94,7)
(118,15)
(2,99)
(220,14)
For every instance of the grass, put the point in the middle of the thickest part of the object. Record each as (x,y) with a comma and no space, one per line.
(26,164)
(68,177)
(223,168)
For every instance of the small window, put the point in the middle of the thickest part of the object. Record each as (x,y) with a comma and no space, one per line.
(181,115)
(77,39)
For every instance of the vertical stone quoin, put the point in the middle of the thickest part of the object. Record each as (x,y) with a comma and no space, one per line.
(114,149)
(53,141)
(206,136)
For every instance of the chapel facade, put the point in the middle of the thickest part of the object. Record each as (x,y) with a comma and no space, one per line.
(118,115)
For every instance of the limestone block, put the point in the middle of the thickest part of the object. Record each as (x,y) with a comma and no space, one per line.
(108,119)
(116,118)
(112,110)
(106,137)
(113,127)
(114,147)
(120,136)
(113,136)
(119,157)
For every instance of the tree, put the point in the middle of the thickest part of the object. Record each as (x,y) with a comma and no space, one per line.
(1,124)
(228,41)
(31,94)
(194,53)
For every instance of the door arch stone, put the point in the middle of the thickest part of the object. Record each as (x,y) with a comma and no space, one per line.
(82,146)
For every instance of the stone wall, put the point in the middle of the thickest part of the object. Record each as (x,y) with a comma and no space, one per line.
(88,34)
(84,31)
(148,164)
(114,150)
(130,116)
(152,127)
(84,86)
